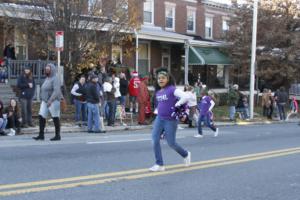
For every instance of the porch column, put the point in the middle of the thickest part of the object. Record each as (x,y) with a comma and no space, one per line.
(186,62)
(226,76)
(136,50)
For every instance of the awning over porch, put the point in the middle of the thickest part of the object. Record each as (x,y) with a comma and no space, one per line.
(207,56)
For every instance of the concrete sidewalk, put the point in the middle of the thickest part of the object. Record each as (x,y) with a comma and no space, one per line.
(72,128)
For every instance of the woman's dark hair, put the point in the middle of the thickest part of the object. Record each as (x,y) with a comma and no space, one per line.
(16,107)
(170,77)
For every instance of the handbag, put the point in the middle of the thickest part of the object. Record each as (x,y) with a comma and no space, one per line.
(63,105)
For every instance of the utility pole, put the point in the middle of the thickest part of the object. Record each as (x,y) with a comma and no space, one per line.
(253,58)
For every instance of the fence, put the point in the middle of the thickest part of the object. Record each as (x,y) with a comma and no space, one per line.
(15,68)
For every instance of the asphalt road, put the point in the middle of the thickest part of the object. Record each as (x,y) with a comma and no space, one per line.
(244,162)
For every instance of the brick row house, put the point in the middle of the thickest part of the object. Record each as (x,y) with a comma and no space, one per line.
(184,36)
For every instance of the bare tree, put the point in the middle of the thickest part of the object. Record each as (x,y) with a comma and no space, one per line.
(90,27)
(277,40)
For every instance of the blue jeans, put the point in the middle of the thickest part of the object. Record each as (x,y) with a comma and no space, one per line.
(232,112)
(207,121)
(169,127)
(123,100)
(3,122)
(111,112)
(281,110)
(93,117)
(80,108)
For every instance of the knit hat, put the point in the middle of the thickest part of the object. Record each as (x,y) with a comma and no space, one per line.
(92,76)
(134,74)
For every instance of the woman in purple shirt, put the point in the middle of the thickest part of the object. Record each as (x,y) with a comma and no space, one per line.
(167,99)
(205,107)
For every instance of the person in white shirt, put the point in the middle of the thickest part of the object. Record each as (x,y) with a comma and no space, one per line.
(192,104)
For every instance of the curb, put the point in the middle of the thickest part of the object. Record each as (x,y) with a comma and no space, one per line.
(72,129)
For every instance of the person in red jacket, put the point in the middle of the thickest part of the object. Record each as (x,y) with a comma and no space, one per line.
(133,89)
(143,98)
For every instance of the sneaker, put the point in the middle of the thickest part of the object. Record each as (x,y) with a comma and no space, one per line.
(12,132)
(216,132)
(180,128)
(198,136)
(157,168)
(187,160)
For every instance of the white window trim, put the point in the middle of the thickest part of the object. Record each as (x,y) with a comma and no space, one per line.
(152,17)
(225,18)
(149,53)
(173,7)
(16,42)
(212,25)
(192,9)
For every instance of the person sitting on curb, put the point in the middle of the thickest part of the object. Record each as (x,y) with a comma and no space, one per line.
(13,118)
(3,120)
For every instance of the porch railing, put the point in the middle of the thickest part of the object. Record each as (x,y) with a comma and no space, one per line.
(15,68)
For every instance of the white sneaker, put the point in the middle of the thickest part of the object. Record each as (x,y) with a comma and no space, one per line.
(12,132)
(216,132)
(157,168)
(187,160)
(198,136)
(180,128)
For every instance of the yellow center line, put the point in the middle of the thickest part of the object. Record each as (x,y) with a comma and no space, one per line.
(141,173)
(103,175)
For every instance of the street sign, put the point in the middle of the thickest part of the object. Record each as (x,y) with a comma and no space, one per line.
(59,40)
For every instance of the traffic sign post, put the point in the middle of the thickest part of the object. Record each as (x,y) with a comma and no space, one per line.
(59,45)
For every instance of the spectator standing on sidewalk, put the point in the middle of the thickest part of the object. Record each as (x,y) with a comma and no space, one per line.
(143,99)
(192,105)
(233,97)
(123,89)
(109,90)
(13,118)
(206,115)
(93,100)
(3,120)
(133,88)
(26,86)
(265,102)
(50,102)
(79,93)
(281,98)
(167,99)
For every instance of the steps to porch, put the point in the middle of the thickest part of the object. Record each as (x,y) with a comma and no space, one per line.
(6,93)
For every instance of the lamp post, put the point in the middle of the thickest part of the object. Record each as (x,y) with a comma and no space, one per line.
(253,58)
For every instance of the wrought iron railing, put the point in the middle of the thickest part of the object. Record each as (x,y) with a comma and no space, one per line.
(15,68)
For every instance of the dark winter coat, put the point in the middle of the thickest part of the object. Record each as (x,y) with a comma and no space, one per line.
(25,91)
(92,93)
(123,86)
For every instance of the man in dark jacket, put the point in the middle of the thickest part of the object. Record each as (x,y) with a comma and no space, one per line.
(9,52)
(93,100)
(281,98)
(26,86)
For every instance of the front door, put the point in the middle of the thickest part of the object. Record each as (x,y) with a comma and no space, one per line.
(166,61)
